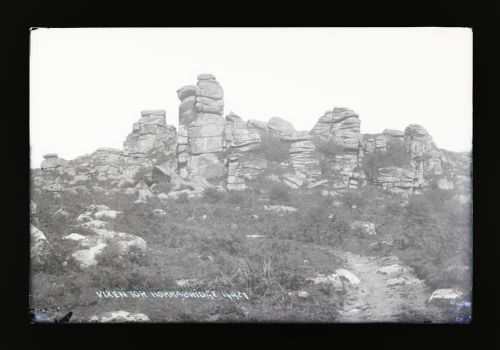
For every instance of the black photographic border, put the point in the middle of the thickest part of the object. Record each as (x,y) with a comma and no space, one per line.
(26,17)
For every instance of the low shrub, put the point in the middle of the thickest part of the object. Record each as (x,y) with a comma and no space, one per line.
(395,155)
(328,147)
(183,198)
(272,148)
(279,192)
(237,197)
(212,195)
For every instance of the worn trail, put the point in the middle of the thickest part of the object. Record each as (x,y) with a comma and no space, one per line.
(383,295)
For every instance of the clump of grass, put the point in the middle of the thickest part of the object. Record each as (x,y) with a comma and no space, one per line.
(212,195)
(279,192)
(272,148)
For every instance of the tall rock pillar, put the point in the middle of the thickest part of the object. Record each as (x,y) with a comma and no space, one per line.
(201,129)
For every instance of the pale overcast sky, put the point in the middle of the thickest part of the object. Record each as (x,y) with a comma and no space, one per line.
(88,86)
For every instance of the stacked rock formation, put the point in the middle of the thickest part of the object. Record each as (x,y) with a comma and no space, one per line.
(379,142)
(426,161)
(151,141)
(426,158)
(242,164)
(211,150)
(343,126)
(304,163)
(201,128)
(151,135)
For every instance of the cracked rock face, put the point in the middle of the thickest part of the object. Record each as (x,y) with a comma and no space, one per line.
(242,165)
(151,135)
(343,126)
(302,158)
(201,128)
(425,157)
(40,249)
(211,146)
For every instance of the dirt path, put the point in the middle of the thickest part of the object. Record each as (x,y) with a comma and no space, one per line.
(383,297)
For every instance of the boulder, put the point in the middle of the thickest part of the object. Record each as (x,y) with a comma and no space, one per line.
(108,215)
(186,91)
(51,156)
(332,279)
(95,224)
(280,127)
(292,181)
(61,213)
(39,248)
(84,217)
(143,191)
(279,208)
(318,184)
(348,276)
(120,316)
(366,228)
(75,237)
(93,208)
(445,297)
(159,212)
(90,248)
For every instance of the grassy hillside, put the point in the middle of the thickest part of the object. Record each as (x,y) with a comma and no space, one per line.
(204,240)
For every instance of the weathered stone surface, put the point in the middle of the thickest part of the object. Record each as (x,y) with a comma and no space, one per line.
(332,279)
(318,184)
(342,126)
(425,157)
(119,316)
(159,212)
(398,180)
(375,143)
(61,213)
(445,296)
(151,135)
(108,215)
(52,162)
(220,149)
(39,248)
(391,270)
(201,129)
(186,91)
(32,208)
(280,127)
(242,164)
(257,124)
(303,160)
(88,249)
(95,224)
(348,276)
(97,207)
(366,228)
(279,208)
(292,181)
(143,191)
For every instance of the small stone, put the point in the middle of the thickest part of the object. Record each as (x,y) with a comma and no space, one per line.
(159,212)
(303,294)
